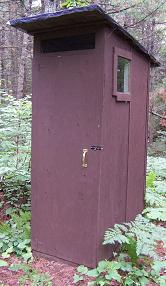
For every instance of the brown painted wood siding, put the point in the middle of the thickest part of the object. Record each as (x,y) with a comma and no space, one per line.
(122,180)
(73,104)
(137,136)
(67,103)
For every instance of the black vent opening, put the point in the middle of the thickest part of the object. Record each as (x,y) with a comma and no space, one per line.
(80,42)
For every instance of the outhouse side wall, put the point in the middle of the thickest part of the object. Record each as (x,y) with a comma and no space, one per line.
(138,134)
(124,135)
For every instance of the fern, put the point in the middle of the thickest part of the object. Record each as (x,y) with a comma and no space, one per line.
(4,228)
(116,234)
(155,213)
(142,230)
(155,194)
(157,165)
(160,186)
(152,198)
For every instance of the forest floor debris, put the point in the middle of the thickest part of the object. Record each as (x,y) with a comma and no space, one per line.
(60,274)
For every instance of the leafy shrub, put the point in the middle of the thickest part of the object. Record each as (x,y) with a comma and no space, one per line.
(74,3)
(144,232)
(157,165)
(155,196)
(31,275)
(155,213)
(15,149)
(138,240)
(155,199)
(15,236)
(3,263)
(122,272)
(105,271)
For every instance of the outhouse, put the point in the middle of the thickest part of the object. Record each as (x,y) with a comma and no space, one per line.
(89,131)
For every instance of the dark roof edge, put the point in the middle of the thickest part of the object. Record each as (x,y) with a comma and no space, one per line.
(109,20)
(134,41)
(45,16)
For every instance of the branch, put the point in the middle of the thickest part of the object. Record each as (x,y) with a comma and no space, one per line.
(24,6)
(148,15)
(157,114)
(161,23)
(121,10)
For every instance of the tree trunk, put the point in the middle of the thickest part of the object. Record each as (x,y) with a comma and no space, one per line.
(21,69)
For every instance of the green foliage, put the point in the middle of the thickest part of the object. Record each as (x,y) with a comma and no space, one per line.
(156,213)
(131,249)
(150,179)
(74,3)
(105,272)
(139,237)
(154,199)
(3,263)
(158,166)
(136,277)
(31,275)
(15,149)
(155,196)
(142,230)
(142,276)
(15,236)
(122,272)
(156,269)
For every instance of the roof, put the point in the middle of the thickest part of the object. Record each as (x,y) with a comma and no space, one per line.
(81,15)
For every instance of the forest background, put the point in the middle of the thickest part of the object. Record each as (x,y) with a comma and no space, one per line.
(144,19)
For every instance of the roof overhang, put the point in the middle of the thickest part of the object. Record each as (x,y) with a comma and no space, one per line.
(92,14)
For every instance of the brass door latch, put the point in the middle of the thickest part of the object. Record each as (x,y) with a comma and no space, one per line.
(84,158)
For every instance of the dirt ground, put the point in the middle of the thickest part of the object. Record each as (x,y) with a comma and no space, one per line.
(61,274)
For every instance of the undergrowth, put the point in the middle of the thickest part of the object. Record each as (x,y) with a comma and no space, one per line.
(137,263)
(144,233)
(122,272)
(155,197)
(31,275)
(15,236)
(15,150)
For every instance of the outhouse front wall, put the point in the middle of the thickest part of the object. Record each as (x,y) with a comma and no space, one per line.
(65,196)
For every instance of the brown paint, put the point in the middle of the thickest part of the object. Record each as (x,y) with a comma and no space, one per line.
(77,17)
(66,119)
(74,108)
(127,55)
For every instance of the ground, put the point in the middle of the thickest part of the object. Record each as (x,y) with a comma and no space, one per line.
(61,274)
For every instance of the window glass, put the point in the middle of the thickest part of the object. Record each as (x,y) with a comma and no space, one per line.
(123,75)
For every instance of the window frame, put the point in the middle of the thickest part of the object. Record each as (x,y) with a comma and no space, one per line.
(121,96)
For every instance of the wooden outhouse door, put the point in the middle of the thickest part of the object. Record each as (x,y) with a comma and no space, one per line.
(67,89)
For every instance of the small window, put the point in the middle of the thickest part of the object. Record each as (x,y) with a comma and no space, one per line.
(123,75)
(78,42)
